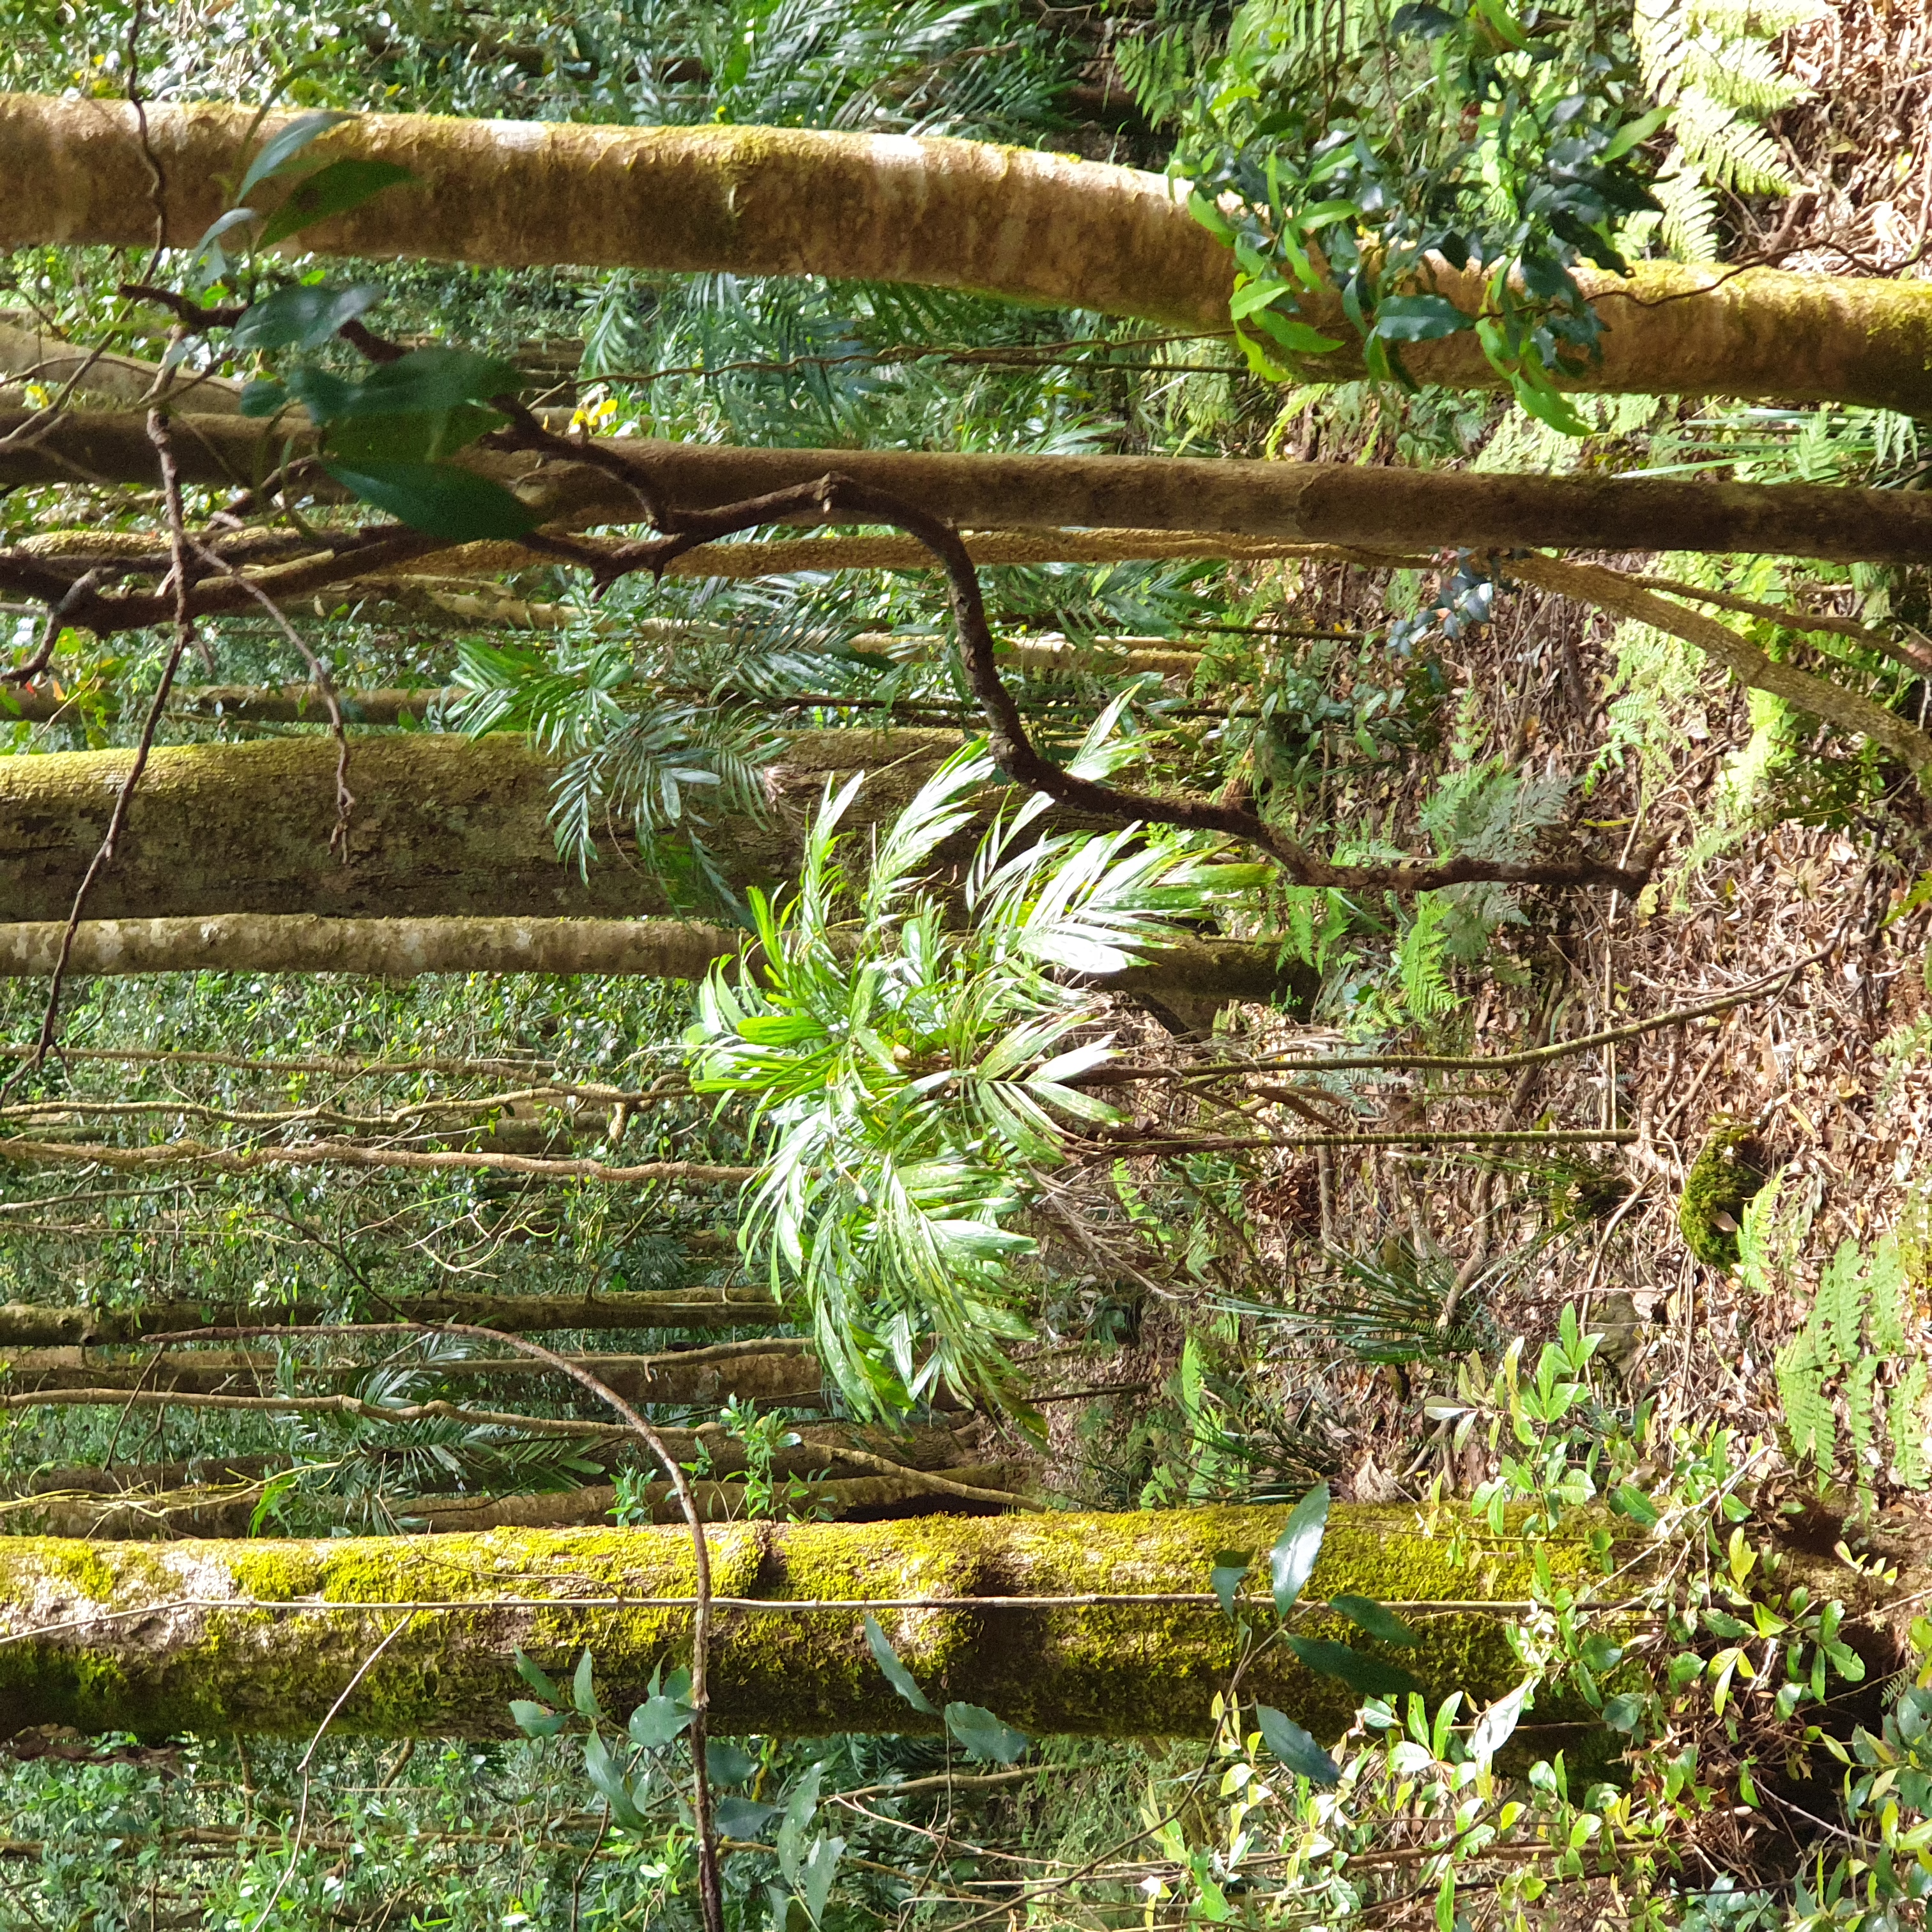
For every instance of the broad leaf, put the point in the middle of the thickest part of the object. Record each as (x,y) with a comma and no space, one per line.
(1366,1614)
(658,1721)
(897,1675)
(1420,318)
(819,1868)
(1367,1675)
(1495,1726)
(333,190)
(284,147)
(741,1817)
(438,499)
(1291,1561)
(534,1721)
(982,1736)
(1295,1747)
(303,318)
(728,1763)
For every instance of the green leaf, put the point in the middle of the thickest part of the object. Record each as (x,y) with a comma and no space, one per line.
(426,381)
(1291,1561)
(819,1868)
(1633,132)
(284,147)
(728,1763)
(418,438)
(982,1736)
(1295,1747)
(897,1675)
(1622,1712)
(1497,1725)
(1547,404)
(304,317)
(333,190)
(1365,1613)
(534,1721)
(1368,1675)
(438,499)
(1627,1499)
(1225,1579)
(539,1681)
(582,1693)
(1297,337)
(608,1775)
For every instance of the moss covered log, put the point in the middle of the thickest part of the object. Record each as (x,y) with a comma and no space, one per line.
(159,1639)
(1031,226)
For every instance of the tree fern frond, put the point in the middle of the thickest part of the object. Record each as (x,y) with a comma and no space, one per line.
(1728,150)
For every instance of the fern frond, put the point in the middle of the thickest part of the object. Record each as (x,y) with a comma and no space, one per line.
(1838,1314)
(1420,961)
(1907,1429)
(1748,79)
(1885,1290)
(1862,1417)
(1808,1419)
(1689,225)
(1726,149)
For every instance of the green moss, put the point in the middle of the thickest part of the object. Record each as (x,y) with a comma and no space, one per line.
(1729,1170)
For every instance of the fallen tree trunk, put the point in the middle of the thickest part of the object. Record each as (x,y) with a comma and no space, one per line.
(1402,511)
(273,1636)
(776,1370)
(27,1325)
(402,948)
(1032,226)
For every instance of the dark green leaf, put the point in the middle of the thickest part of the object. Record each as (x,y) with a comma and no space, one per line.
(982,1736)
(1366,1614)
(1291,1562)
(741,1817)
(897,1675)
(438,499)
(421,438)
(607,1774)
(1295,1747)
(1623,1711)
(263,399)
(1420,318)
(727,1763)
(333,190)
(284,147)
(1225,1579)
(1367,1675)
(658,1721)
(303,318)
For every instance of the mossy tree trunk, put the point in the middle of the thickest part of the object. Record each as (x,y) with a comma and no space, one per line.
(159,1639)
(450,864)
(1401,511)
(1031,226)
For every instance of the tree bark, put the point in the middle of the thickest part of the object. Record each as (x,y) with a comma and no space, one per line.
(779,1370)
(1399,510)
(443,825)
(26,1325)
(158,1639)
(1031,226)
